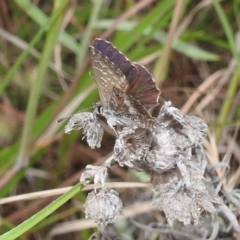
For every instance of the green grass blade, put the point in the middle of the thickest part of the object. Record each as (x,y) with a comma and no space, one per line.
(24,54)
(41,19)
(178,45)
(36,88)
(155,15)
(227,105)
(228,32)
(233,84)
(188,49)
(29,223)
(226,27)
(82,51)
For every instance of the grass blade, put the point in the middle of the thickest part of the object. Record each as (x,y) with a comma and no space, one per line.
(29,223)
(36,87)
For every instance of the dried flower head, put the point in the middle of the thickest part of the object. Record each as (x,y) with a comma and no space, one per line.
(132,146)
(185,203)
(103,206)
(91,126)
(175,136)
(185,131)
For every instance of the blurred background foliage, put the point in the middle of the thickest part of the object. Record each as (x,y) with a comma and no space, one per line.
(190,47)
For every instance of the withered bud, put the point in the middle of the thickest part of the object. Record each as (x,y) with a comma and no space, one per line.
(103,206)
(98,173)
(91,126)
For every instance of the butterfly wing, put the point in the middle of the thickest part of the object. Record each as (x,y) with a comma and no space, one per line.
(143,88)
(110,68)
(124,103)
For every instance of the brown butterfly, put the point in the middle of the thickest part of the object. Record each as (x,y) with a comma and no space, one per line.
(124,87)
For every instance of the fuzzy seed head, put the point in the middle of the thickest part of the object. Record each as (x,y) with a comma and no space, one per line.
(103,206)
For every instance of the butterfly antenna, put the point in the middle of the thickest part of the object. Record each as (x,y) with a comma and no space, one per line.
(61,119)
(64,118)
(86,109)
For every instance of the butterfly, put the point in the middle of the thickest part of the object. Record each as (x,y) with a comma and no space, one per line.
(124,87)
(127,91)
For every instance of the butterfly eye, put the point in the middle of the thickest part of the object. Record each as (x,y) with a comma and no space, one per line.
(99,109)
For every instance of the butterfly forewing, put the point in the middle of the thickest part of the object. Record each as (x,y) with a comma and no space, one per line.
(105,75)
(112,69)
(120,62)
